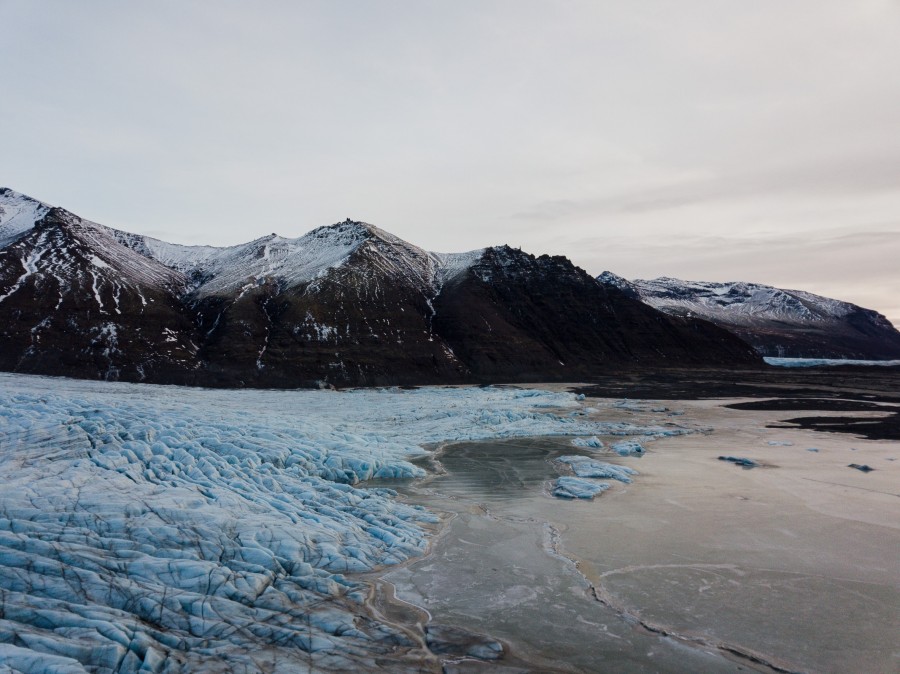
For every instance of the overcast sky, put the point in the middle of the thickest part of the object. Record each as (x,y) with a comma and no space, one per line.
(704,139)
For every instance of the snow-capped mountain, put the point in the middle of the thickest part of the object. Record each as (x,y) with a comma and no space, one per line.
(18,213)
(345,304)
(777,322)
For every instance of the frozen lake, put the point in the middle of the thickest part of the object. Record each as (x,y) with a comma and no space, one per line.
(498,568)
(790,566)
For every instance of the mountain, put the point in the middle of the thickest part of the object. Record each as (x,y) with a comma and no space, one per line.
(345,304)
(785,323)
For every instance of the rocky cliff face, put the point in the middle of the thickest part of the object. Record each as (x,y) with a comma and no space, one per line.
(777,322)
(516,316)
(347,304)
(75,302)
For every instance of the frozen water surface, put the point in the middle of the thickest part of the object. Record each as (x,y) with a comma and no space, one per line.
(501,568)
(794,564)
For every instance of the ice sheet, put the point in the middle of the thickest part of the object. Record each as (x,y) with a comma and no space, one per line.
(167,528)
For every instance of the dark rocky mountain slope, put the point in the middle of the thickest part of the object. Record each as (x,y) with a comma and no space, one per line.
(513,315)
(347,304)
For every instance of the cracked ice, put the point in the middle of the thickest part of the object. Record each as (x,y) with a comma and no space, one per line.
(169,529)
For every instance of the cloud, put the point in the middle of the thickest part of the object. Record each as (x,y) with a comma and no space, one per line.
(832,176)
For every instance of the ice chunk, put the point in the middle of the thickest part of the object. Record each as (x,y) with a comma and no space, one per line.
(628,448)
(587,442)
(576,487)
(583,466)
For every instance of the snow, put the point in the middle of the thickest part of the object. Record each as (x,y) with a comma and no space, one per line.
(173,529)
(453,265)
(18,213)
(741,302)
(294,262)
(819,362)
(608,278)
(28,268)
(97,262)
(120,260)
(234,270)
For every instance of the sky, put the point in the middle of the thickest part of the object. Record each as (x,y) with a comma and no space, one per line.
(706,139)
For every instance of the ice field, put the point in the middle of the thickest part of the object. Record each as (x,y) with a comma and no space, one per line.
(167,529)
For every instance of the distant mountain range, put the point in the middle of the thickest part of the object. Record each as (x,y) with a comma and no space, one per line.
(776,322)
(346,304)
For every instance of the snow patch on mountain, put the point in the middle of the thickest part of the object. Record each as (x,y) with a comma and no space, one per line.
(453,265)
(18,213)
(290,262)
(302,260)
(776,321)
(742,302)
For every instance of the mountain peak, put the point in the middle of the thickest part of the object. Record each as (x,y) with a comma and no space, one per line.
(611,280)
(776,321)
(18,213)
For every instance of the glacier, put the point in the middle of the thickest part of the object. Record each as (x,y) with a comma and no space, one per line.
(820,362)
(628,448)
(169,529)
(584,466)
(568,487)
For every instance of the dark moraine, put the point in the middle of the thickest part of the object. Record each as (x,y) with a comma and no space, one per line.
(881,384)
(886,427)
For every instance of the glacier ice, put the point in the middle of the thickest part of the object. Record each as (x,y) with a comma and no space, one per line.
(628,448)
(575,487)
(819,362)
(167,529)
(584,466)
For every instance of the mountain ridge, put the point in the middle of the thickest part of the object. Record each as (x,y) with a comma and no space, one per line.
(344,304)
(776,321)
